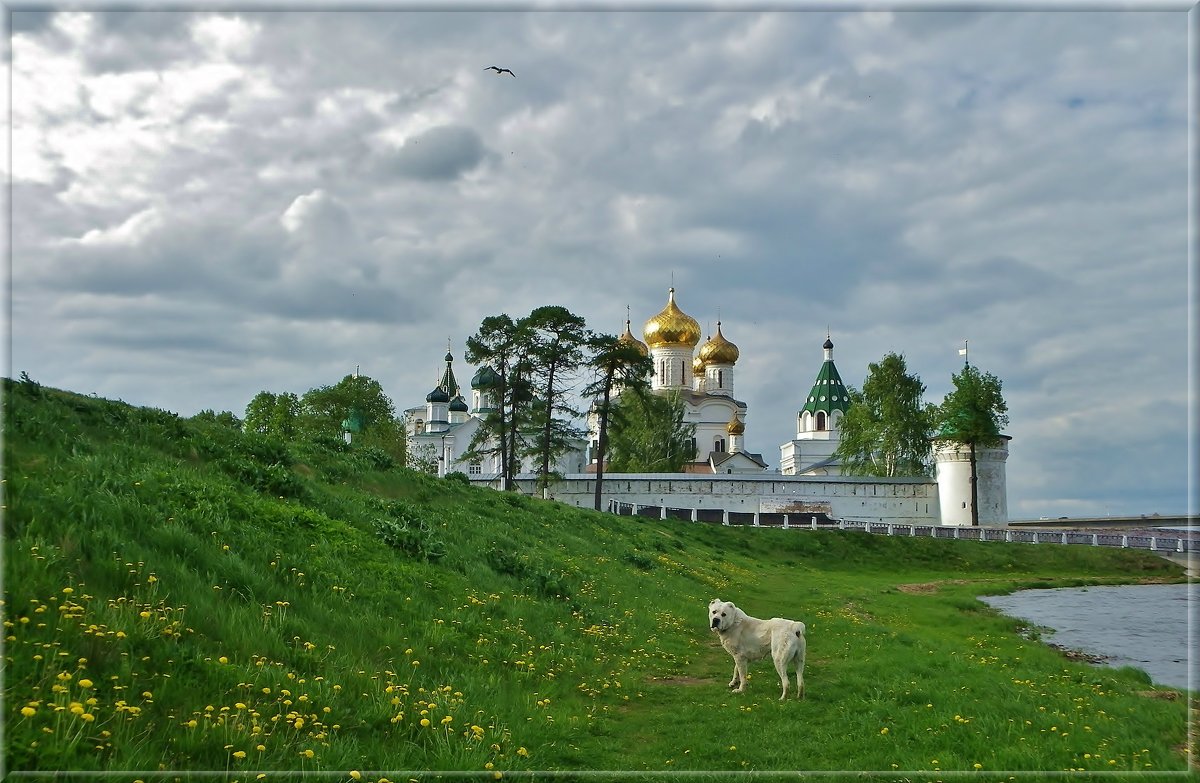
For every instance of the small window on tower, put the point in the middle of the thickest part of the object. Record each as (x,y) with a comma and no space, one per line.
(820,421)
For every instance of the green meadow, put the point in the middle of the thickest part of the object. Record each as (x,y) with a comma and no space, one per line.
(183,598)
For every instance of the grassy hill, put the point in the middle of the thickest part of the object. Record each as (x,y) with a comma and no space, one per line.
(180,596)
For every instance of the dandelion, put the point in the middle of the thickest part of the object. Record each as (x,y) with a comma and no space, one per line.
(307,753)
(28,712)
(239,754)
(87,717)
(522,752)
(222,659)
(354,773)
(85,683)
(424,721)
(260,748)
(978,765)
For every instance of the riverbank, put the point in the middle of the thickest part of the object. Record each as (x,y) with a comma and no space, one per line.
(1142,626)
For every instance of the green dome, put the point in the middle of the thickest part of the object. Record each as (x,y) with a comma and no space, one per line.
(485,378)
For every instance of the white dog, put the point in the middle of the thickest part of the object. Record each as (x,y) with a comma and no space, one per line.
(748,638)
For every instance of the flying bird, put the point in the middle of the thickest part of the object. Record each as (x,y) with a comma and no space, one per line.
(500,70)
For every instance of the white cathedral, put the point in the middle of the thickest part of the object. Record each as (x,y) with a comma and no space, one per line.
(442,429)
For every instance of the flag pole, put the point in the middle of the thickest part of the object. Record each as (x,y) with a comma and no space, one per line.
(963,353)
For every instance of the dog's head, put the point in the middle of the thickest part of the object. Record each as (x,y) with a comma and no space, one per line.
(722,615)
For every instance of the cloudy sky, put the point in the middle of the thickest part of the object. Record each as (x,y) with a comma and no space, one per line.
(206,205)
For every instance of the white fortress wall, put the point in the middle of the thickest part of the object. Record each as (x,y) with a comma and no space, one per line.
(897,501)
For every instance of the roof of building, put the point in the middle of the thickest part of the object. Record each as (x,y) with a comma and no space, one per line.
(718,350)
(718,458)
(672,328)
(828,393)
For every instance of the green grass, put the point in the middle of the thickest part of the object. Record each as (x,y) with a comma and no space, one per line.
(181,597)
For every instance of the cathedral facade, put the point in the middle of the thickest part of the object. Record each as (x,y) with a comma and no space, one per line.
(703,380)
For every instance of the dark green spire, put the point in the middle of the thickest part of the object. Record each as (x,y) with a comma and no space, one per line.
(828,393)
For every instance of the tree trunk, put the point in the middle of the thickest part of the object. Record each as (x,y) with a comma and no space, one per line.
(974,490)
(602,441)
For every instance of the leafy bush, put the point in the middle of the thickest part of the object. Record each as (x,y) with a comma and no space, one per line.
(407,531)
(375,458)
(460,477)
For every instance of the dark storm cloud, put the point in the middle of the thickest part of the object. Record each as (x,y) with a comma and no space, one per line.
(441,153)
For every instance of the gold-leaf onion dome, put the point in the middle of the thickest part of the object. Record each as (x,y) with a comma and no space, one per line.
(718,350)
(735,426)
(635,342)
(698,367)
(672,328)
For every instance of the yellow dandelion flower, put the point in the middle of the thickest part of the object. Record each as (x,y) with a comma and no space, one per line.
(307,753)
(28,712)
(884,730)
(239,754)
(354,773)
(87,717)
(85,683)
(522,752)
(260,748)
(222,659)
(424,721)
(68,590)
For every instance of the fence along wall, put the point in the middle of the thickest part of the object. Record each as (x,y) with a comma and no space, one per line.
(1164,544)
(895,501)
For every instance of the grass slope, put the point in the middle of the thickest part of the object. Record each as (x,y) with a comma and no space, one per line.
(180,596)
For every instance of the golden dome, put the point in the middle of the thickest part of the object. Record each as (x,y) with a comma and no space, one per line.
(698,367)
(718,350)
(672,328)
(635,342)
(735,426)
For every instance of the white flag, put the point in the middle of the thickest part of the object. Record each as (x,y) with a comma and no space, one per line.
(962,351)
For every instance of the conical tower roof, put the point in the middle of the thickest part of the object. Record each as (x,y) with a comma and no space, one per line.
(448,383)
(828,393)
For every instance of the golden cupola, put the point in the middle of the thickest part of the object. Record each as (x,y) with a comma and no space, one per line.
(698,367)
(735,426)
(635,342)
(672,328)
(718,350)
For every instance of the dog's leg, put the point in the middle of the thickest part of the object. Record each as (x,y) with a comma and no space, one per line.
(781,662)
(740,670)
(801,654)
(736,678)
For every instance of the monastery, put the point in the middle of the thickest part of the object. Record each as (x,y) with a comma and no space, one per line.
(723,475)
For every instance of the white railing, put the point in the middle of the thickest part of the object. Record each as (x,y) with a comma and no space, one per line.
(808,521)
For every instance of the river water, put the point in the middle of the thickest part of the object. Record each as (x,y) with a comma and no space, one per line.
(1145,626)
